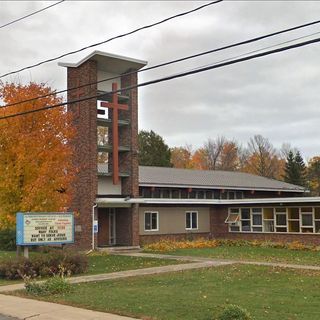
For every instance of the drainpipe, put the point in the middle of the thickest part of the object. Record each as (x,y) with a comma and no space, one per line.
(93,207)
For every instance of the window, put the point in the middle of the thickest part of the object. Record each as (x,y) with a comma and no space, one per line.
(256,214)
(233,216)
(184,194)
(156,193)
(209,195)
(165,193)
(231,195)
(191,220)
(151,221)
(245,219)
(275,220)
(175,193)
(192,194)
(239,195)
(147,192)
(216,194)
(201,194)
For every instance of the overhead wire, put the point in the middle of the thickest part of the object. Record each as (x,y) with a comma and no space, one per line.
(248,41)
(171,77)
(113,38)
(30,14)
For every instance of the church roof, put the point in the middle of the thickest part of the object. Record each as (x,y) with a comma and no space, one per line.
(108,62)
(215,179)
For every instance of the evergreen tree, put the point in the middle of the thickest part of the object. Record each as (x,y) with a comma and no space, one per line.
(301,169)
(290,168)
(295,169)
(153,151)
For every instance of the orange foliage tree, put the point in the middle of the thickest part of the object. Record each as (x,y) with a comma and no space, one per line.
(314,175)
(35,154)
(181,157)
(200,159)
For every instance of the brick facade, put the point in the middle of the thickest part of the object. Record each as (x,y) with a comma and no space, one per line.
(85,146)
(85,158)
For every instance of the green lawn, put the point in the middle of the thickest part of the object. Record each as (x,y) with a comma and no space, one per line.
(104,263)
(267,293)
(254,254)
(111,263)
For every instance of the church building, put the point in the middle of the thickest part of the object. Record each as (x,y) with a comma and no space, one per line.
(119,203)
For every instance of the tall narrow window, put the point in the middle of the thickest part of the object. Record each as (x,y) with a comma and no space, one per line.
(191,220)
(151,221)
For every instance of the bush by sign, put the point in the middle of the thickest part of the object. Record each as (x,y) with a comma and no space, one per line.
(44,228)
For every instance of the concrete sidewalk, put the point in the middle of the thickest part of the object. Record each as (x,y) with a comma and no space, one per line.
(22,308)
(222,261)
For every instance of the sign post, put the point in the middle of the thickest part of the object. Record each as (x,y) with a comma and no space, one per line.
(35,229)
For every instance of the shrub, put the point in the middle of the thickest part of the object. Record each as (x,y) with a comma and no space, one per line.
(169,245)
(44,265)
(8,239)
(233,312)
(55,285)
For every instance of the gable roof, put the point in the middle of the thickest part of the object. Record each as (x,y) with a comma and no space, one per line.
(173,177)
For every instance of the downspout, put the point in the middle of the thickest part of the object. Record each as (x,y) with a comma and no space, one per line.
(93,209)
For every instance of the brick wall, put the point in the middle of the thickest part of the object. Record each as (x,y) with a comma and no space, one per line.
(85,146)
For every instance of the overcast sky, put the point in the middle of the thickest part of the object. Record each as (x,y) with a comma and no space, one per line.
(275,96)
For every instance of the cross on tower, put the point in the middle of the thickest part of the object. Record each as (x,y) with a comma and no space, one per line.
(115,106)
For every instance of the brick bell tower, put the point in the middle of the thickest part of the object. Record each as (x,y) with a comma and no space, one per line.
(105,148)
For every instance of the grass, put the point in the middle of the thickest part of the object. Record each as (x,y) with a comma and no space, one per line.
(251,253)
(267,293)
(113,263)
(104,263)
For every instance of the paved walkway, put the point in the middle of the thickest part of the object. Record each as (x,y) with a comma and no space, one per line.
(222,261)
(22,308)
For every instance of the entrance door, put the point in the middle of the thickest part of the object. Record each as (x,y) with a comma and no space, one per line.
(112,226)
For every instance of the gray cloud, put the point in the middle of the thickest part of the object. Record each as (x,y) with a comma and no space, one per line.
(276,96)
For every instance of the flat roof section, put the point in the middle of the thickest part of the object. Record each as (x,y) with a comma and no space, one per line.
(108,62)
(307,201)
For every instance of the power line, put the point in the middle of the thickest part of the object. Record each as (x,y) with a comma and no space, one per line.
(31,14)
(185,58)
(257,50)
(113,38)
(171,77)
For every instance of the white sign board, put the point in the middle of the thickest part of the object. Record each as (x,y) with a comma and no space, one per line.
(44,228)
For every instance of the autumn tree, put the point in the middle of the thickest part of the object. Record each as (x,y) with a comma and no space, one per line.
(229,157)
(153,151)
(200,159)
(181,157)
(213,149)
(262,158)
(35,154)
(314,175)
